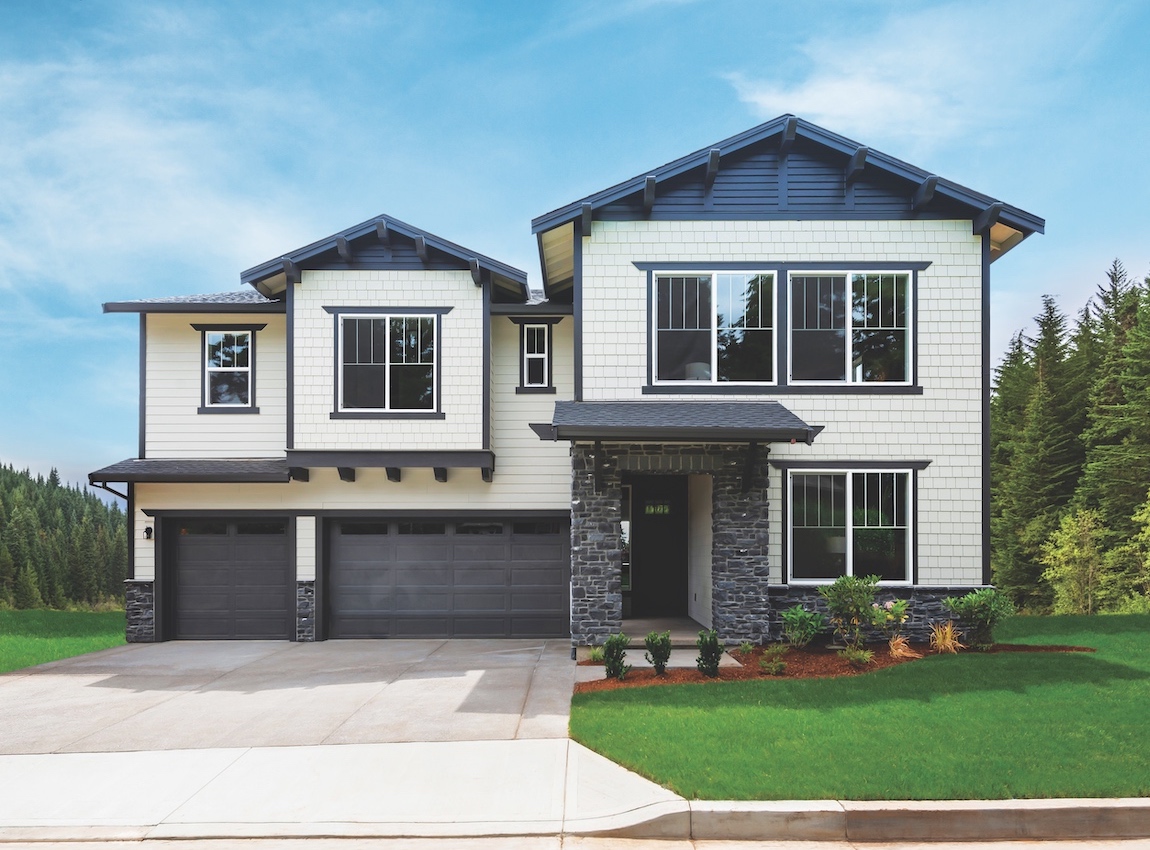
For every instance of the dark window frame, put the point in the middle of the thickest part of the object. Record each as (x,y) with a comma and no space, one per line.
(205,404)
(523,324)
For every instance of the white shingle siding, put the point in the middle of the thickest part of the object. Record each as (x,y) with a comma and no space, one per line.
(175,428)
(459,352)
(943,425)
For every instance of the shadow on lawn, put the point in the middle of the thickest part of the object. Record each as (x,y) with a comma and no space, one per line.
(936,677)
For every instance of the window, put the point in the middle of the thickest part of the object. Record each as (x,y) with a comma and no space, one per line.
(388,363)
(536,367)
(864,340)
(227,383)
(850,523)
(714,328)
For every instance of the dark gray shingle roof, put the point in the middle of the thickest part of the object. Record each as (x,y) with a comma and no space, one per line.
(678,421)
(259,470)
(235,301)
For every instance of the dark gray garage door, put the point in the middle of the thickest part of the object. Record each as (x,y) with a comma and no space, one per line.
(429,578)
(231,579)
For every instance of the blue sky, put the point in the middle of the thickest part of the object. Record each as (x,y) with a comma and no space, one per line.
(149,149)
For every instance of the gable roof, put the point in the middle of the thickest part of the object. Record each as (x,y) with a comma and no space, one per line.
(387,243)
(236,301)
(786,168)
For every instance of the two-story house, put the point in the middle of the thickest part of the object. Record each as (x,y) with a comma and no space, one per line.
(757,368)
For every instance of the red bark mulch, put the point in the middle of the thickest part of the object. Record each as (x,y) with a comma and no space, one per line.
(811,662)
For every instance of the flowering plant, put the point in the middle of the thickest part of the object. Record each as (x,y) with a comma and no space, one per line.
(890,616)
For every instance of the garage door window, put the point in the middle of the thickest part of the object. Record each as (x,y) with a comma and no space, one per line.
(363,528)
(197,527)
(479,528)
(275,526)
(422,528)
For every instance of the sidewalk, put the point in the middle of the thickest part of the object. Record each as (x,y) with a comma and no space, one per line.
(541,787)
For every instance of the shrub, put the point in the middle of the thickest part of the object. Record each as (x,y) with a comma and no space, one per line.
(850,600)
(709,653)
(800,625)
(1135,603)
(658,651)
(889,617)
(944,638)
(597,654)
(746,648)
(856,656)
(981,610)
(900,648)
(772,662)
(614,653)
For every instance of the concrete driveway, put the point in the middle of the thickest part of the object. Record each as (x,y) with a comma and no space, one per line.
(194,695)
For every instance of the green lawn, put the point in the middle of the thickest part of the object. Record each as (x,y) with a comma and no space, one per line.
(34,637)
(948,727)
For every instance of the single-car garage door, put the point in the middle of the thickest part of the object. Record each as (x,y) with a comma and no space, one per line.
(454,578)
(231,579)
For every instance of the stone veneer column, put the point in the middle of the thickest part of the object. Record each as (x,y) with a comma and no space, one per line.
(140,611)
(596,581)
(305,611)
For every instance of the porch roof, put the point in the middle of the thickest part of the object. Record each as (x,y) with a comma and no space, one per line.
(676,422)
(193,470)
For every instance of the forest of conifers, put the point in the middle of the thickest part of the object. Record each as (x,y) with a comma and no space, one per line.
(1070,456)
(60,546)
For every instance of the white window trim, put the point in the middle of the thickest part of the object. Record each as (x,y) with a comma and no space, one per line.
(208,370)
(545,357)
(714,380)
(434,317)
(850,382)
(790,523)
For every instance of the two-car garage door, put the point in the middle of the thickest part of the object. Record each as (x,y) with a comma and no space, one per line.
(424,577)
(448,578)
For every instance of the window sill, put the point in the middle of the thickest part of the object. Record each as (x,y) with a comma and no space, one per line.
(535,390)
(228,410)
(782,389)
(389,414)
(825,582)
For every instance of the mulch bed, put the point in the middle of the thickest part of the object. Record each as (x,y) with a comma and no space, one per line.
(811,662)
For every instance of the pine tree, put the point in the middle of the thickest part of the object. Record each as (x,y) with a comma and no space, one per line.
(27,592)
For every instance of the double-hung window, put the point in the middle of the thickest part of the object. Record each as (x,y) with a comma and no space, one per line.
(850,523)
(227,379)
(850,327)
(388,363)
(714,328)
(536,353)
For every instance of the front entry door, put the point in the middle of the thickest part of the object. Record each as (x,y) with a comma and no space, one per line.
(658,546)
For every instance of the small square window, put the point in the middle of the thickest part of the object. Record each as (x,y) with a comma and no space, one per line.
(228,375)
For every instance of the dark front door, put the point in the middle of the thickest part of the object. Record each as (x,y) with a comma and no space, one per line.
(658,545)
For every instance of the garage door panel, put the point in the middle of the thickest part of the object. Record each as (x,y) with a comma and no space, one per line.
(465,578)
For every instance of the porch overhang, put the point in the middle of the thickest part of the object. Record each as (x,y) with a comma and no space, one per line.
(193,471)
(675,422)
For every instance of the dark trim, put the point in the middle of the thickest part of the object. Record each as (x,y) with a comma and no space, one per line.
(577,308)
(204,330)
(712,170)
(680,434)
(326,513)
(986,219)
(320,577)
(346,473)
(386,414)
(540,320)
(782,389)
(532,312)
(291,272)
(650,343)
(131,517)
(987,573)
(586,217)
(440,473)
(924,194)
(289,298)
(524,323)
(865,465)
(143,412)
(388,310)
(264,471)
(394,474)
(299,473)
(487,474)
(190,307)
(544,430)
(914,576)
(383,459)
(856,165)
(195,478)
(649,193)
(542,264)
(668,267)
(535,390)
(485,416)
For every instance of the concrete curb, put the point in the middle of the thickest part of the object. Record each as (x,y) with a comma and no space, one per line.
(963,820)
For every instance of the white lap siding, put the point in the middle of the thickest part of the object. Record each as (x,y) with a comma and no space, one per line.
(942,425)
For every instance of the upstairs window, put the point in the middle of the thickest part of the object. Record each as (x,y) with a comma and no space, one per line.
(850,523)
(850,328)
(714,328)
(536,356)
(227,379)
(388,363)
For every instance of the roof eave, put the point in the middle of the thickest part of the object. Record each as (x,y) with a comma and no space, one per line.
(212,307)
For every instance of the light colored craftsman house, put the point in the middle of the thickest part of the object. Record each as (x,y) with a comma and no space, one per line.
(757,368)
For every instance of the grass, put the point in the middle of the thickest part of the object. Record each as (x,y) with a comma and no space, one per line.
(965,726)
(37,636)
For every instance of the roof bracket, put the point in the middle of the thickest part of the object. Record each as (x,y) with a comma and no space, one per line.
(788,137)
(987,218)
(291,271)
(476,274)
(421,249)
(712,167)
(486,472)
(924,193)
(585,212)
(299,473)
(394,474)
(649,194)
(749,468)
(440,474)
(343,249)
(346,473)
(598,466)
(856,165)
(381,233)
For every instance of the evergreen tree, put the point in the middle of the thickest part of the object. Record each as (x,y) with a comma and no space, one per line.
(27,591)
